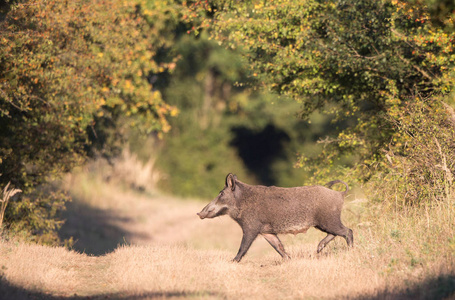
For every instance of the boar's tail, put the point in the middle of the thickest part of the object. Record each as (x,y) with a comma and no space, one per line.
(329,185)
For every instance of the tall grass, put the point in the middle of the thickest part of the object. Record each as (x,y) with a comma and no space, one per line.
(412,199)
(126,171)
(137,174)
(6,196)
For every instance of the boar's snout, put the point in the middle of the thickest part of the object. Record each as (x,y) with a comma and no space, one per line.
(206,211)
(202,214)
(212,210)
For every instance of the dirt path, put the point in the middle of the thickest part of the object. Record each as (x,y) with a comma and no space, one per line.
(101,224)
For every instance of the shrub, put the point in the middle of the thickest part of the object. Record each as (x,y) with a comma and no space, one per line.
(419,163)
(70,69)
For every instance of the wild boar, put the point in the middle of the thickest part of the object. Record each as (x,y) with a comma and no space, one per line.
(270,211)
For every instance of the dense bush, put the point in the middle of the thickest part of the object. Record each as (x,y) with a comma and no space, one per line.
(65,68)
(418,167)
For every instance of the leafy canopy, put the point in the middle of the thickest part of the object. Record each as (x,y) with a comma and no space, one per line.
(362,61)
(68,68)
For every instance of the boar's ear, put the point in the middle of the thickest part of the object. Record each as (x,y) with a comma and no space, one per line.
(230,181)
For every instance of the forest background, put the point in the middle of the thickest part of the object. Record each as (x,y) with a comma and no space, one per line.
(280,92)
(133,101)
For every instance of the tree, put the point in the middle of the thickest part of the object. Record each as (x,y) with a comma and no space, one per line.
(65,68)
(363,61)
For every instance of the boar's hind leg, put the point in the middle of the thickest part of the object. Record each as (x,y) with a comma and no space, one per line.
(348,236)
(276,244)
(333,231)
(325,241)
(247,239)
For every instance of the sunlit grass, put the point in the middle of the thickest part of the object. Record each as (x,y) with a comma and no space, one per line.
(8,193)
(398,254)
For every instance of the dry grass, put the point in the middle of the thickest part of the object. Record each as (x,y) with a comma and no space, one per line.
(170,253)
(7,195)
(126,170)
(209,272)
(42,268)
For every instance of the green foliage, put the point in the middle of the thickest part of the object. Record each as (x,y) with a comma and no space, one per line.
(196,163)
(196,155)
(365,62)
(420,163)
(441,13)
(66,68)
(224,126)
(35,216)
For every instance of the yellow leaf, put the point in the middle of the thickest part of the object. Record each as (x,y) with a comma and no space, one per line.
(174,112)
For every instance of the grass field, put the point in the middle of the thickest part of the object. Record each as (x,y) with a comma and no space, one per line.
(144,245)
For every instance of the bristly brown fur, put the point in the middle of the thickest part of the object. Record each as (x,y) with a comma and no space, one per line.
(270,211)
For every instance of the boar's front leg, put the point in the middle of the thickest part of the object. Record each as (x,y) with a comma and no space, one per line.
(276,244)
(247,239)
